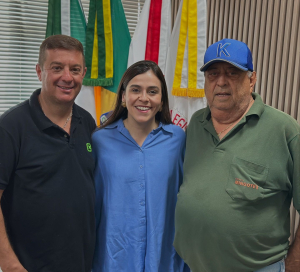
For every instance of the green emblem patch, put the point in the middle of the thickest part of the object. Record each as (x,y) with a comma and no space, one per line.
(89,147)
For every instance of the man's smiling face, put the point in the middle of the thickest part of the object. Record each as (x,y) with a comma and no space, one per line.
(61,75)
(227,88)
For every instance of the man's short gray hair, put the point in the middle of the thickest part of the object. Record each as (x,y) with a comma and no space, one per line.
(249,74)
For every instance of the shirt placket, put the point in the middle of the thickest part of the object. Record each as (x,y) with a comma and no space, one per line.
(142,204)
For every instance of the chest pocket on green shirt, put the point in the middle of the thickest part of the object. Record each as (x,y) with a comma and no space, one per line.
(246,180)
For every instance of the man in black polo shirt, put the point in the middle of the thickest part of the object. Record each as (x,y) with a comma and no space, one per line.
(46,170)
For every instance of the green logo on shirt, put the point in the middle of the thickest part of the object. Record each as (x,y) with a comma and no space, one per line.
(89,147)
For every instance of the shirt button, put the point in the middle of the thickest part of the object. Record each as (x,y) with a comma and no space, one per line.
(65,135)
(142,185)
(141,166)
(142,203)
(143,221)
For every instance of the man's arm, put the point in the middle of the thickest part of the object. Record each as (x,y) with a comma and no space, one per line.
(292,261)
(8,259)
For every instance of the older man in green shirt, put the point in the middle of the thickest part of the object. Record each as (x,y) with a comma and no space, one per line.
(241,170)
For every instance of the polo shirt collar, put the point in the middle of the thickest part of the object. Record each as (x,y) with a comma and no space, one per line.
(206,115)
(41,120)
(37,113)
(120,126)
(76,113)
(258,106)
(256,109)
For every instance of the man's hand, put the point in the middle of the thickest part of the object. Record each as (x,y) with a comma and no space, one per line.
(8,259)
(292,261)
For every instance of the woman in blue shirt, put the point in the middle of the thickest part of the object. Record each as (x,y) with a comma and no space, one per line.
(139,157)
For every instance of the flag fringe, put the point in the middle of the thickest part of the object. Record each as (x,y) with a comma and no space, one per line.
(97,82)
(190,92)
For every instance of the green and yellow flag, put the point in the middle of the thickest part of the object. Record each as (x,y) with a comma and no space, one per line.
(107,47)
(66,17)
(106,40)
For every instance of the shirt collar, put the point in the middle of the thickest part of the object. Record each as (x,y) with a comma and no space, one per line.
(120,126)
(258,106)
(38,115)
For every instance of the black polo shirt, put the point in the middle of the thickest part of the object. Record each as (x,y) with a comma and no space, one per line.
(48,199)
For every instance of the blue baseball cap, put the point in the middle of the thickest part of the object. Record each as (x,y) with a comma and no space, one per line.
(234,52)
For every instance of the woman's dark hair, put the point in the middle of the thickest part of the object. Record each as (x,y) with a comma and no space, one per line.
(135,69)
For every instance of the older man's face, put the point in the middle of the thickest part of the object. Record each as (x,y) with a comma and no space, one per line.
(228,88)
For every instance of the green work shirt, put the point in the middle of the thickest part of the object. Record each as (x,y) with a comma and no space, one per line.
(232,212)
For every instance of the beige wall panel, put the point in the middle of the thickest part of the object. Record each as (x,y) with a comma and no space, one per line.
(268,19)
(285,55)
(231,20)
(236,20)
(278,58)
(245,30)
(272,52)
(291,61)
(209,21)
(241,19)
(296,76)
(261,32)
(221,20)
(251,24)
(216,20)
(226,18)
(256,41)
(295,109)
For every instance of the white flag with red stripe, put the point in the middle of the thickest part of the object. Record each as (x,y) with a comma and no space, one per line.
(184,79)
(152,34)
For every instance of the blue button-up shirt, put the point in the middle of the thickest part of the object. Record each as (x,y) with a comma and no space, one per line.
(136,192)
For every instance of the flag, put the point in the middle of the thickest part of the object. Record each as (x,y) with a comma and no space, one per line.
(107,46)
(150,40)
(66,17)
(185,57)
(106,40)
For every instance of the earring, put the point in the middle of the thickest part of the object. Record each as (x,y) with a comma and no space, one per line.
(123,104)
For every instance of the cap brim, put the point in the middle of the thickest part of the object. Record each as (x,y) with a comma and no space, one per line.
(205,66)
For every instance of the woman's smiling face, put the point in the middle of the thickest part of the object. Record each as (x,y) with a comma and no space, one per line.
(143,98)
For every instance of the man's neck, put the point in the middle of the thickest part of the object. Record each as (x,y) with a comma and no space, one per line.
(139,132)
(228,117)
(223,121)
(59,114)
